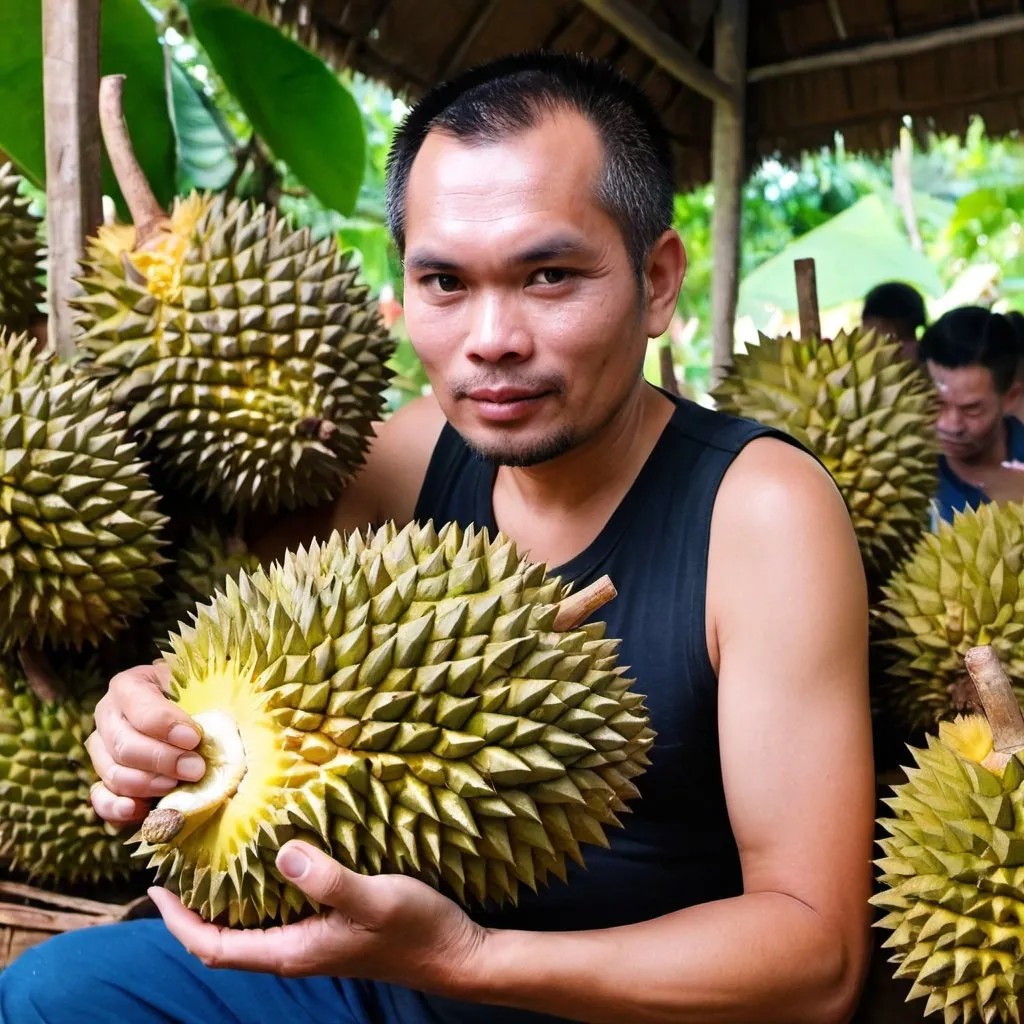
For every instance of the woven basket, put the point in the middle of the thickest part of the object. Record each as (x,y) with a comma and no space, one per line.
(29,915)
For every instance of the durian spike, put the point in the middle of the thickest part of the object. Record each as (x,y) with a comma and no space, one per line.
(148,216)
(1000,704)
(40,675)
(575,608)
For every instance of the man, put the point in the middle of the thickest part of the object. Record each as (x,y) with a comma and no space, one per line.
(973,356)
(532,203)
(895,311)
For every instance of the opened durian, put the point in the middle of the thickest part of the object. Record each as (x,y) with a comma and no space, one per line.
(952,878)
(48,829)
(866,413)
(21,288)
(79,527)
(963,585)
(410,701)
(200,566)
(250,356)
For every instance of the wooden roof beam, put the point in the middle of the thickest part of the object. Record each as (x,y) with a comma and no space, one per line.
(837,18)
(660,46)
(891,49)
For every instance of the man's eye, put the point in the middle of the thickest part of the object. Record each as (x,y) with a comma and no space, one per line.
(552,275)
(445,282)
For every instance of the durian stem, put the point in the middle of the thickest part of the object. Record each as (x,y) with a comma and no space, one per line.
(577,607)
(147,214)
(40,676)
(997,698)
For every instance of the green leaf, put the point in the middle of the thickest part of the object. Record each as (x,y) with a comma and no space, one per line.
(371,241)
(205,145)
(295,103)
(129,46)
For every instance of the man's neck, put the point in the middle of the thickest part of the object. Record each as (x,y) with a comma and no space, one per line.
(557,508)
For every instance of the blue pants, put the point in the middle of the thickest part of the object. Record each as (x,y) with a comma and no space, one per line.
(137,973)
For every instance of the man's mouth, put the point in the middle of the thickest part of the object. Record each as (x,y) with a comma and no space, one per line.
(505,404)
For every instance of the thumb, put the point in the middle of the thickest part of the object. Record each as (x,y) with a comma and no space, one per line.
(325,880)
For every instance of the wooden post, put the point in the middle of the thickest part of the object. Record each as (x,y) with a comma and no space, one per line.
(728,165)
(807,299)
(71,82)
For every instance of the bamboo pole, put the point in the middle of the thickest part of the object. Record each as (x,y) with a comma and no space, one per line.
(71,79)
(807,299)
(728,166)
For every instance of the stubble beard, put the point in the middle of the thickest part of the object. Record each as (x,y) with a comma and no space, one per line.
(544,450)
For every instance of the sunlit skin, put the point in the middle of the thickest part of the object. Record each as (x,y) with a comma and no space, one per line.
(522,304)
(972,431)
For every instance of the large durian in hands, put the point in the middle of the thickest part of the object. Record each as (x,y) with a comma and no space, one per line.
(21,289)
(80,532)
(865,412)
(962,586)
(48,829)
(250,357)
(408,700)
(952,875)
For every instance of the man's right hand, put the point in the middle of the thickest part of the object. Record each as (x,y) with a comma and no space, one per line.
(142,745)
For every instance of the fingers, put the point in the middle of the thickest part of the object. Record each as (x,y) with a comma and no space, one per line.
(122,781)
(274,950)
(329,883)
(118,810)
(139,696)
(132,749)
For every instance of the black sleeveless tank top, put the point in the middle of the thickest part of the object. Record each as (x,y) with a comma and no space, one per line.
(676,848)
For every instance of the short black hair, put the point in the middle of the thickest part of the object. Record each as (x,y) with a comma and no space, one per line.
(975,336)
(511,94)
(898,302)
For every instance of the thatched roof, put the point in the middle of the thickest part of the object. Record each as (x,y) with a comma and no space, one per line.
(970,59)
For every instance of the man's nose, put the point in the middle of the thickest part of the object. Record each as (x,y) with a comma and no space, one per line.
(498,333)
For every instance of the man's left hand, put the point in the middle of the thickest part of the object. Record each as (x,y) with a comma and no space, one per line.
(386,927)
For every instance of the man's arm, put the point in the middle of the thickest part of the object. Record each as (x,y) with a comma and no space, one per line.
(385,487)
(788,621)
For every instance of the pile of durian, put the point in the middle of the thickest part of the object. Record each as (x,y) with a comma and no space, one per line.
(422,700)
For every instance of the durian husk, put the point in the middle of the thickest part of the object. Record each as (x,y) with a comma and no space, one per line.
(200,567)
(865,412)
(404,701)
(952,878)
(21,288)
(961,587)
(48,829)
(249,356)
(80,532)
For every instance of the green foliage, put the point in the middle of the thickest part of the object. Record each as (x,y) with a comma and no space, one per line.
(205,145)
(129,46)
(296,104)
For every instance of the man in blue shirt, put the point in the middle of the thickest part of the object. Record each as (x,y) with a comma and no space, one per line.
(973,356)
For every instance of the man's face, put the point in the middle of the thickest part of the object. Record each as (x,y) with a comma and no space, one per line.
(519,296)
(971,410)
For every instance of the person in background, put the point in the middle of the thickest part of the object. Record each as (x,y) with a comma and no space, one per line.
(1017,319)
(896,311)
(973,356)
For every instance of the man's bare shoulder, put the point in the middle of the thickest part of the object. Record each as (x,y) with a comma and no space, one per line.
(389,483)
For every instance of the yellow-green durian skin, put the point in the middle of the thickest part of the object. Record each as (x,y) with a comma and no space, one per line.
(80,531)
(430,720)
(48,829)
(256,386)
(865,412)
(952,885)
(962,586)
(21,289)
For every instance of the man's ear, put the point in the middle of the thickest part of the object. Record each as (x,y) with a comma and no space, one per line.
(666,268)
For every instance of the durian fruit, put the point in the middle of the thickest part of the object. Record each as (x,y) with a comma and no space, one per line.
(409,701)
(865,412)
(200,567)
(952,878)
(963,585)
(21,289)
(80,533)
(250,357)
(48,829)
